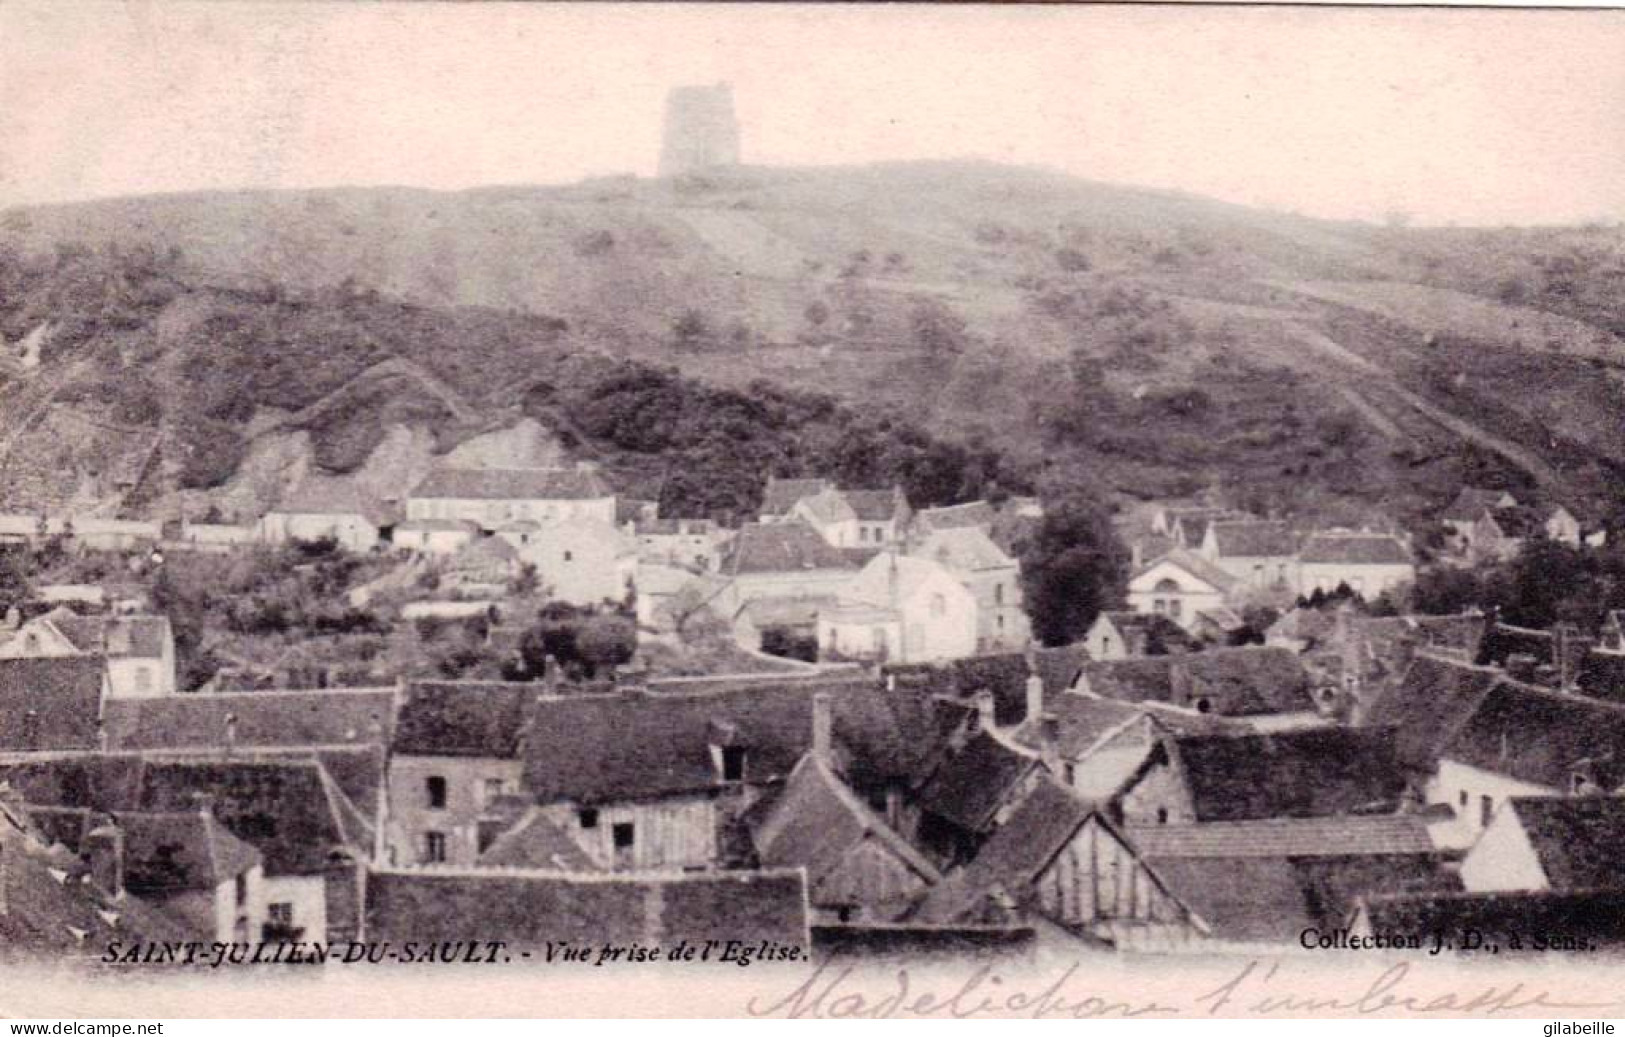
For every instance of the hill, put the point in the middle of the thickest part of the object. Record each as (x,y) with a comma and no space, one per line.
(1149,343)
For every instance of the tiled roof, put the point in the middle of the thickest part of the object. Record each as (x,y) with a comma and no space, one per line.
(1354,549)
(464,718)
(53,909)
(1503,641)
(1246,899)
(118,637)
(534,908)
(1543,737)
(965,548)
(290,811)
(1192,523)
(1245,681)
(1594,917)
(781,547)
(266,719)
(632,745)
(1059,667)
(782,494)
(956,516)
(1304,624)
(875,505)
(536,842)
(1194,564)
(786,612)
(1351,835)
(319,495)
(167,853)
(1578,840)
(1312,772)
(1602,675)
(815,822)
(1253,539)
(1004,675)
(50,703)
(968,786)
(827,506)
(1520,523)
(513,484)
(1015,855)
(1429,703)
(1143,631)
(1082,721)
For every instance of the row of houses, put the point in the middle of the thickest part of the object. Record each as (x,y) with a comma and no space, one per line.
(1223,797)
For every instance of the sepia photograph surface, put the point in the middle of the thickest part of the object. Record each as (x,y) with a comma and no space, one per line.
(785,511)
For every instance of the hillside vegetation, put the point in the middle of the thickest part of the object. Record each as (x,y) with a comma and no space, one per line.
(964,328)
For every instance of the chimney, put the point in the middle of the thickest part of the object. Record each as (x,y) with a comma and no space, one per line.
(985,716)
(231,731)
(1520,666)
(823,727)
(550,674)
(104,849)
(1049,744)
(1035,697)
(1569,650)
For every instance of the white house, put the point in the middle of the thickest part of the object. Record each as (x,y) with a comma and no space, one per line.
(1367,563)
(988,573)
(584,561)
(321,509)
(435,536)
(902,609)
(1180,585)
(855,518)
(1549,843)
(785,559)
(491,497)
(139,650)
(1261,555)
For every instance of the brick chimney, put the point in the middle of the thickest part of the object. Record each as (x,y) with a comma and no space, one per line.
(823,727)
(1049,744)
(104,849)
(1035,698)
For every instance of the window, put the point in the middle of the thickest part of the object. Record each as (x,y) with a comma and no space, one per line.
(1464,798)
(434,847)
(569,556)
(621,834)
(1258,574)
(1486,810)
(279,914)
(31,643)
(143,679)
(588,817)
(733,763)
(279,925)
(242,889)
(1162,815)
(435,787)
(863,533)
(1174,608)
(1071,773)
(493,790)
(998,594)
(1159,606)
(1001,623)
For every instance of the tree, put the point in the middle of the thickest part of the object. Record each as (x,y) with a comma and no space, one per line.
(606,642)
(1073,566)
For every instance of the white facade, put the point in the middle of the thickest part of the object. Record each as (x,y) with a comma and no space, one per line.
(353,532)
(1503,858)
(1167,588)
(1476,795)
(1366,580)
(583,562)
(917,608)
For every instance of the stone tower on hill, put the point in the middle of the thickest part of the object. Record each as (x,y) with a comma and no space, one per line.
(701,131)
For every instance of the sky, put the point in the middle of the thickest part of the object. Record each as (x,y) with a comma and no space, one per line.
(1463,116)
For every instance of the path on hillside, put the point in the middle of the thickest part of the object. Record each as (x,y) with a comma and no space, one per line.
(395,365)
(54,384)
(1525,459)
